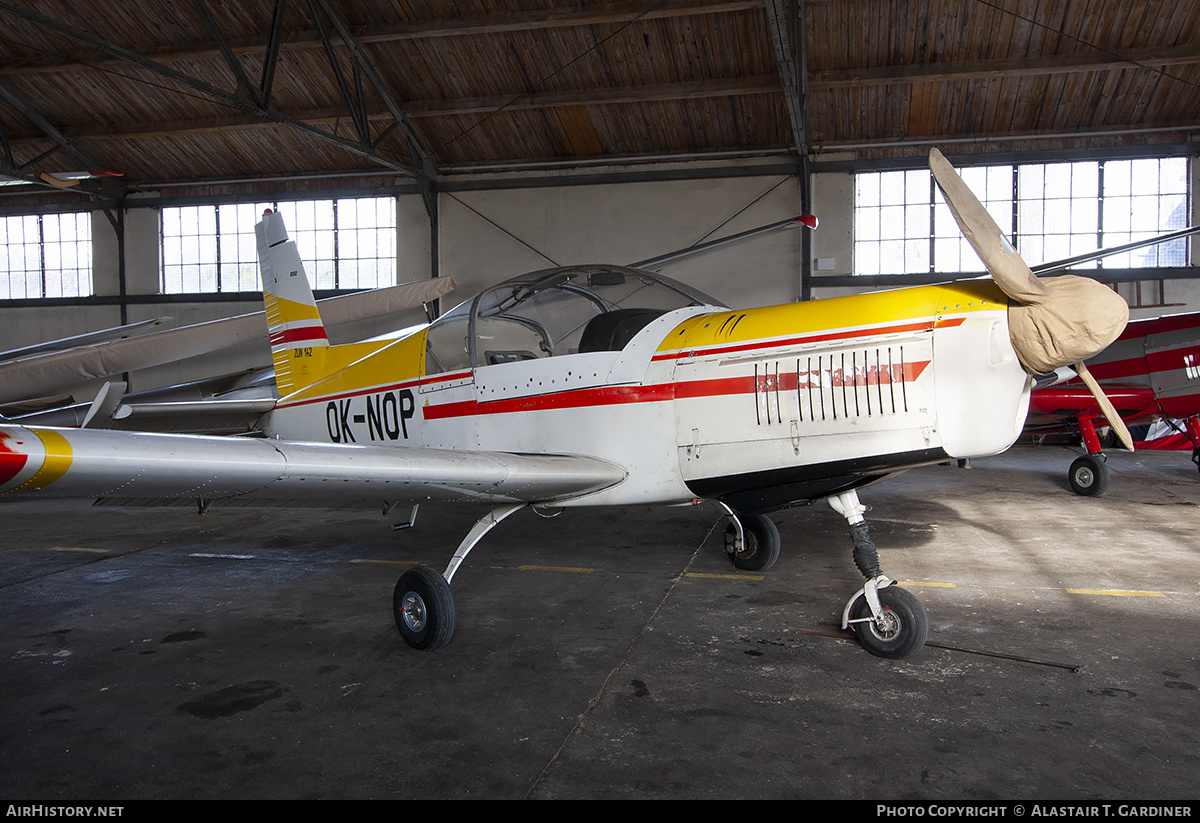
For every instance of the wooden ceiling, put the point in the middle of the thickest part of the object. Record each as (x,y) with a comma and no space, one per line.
(190,93)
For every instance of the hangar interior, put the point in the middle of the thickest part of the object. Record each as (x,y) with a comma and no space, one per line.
(480,139)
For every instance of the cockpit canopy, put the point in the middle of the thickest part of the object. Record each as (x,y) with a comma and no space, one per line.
(554,312)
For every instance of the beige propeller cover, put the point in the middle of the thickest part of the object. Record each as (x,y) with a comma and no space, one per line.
(1080,318)
(1055,322)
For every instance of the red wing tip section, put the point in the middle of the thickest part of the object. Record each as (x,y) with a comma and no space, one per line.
(11,460)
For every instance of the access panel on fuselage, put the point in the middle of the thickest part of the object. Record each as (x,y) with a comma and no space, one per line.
(796,405)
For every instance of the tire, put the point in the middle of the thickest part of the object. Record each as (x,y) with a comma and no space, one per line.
(1088,476)
(905,624)
(761,548)
(423,606)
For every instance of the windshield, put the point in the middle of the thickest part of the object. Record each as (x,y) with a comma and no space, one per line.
(554,312)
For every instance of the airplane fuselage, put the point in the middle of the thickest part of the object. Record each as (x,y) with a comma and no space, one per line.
(760,408)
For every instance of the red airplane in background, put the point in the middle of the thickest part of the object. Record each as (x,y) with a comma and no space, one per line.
(1151,372)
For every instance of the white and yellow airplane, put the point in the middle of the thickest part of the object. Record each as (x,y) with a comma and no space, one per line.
(607,386)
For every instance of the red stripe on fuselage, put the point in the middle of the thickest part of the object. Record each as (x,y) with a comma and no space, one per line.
(576,399)
(1139,365)
(620,395)
(1161,325)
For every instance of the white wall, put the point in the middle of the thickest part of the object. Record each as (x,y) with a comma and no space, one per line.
(488,236)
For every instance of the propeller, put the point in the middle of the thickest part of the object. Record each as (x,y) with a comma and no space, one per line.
(1052,322)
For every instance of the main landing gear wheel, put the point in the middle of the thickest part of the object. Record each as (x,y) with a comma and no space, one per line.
(424,608)
(900,629)
(760,549)
(1089,475)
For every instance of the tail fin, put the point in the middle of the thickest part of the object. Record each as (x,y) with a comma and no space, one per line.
(298,340)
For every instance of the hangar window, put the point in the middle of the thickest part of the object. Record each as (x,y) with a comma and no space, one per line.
(1051,211)
(344,244)
(46,255)
(1143,198)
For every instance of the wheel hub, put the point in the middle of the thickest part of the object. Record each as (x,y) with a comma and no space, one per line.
(886,626)
(412,609)
(1084,476)
(748,548)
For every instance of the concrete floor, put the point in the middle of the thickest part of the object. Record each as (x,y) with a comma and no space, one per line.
(613,654)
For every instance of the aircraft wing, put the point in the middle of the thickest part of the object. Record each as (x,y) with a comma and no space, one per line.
(48,462)
(1052,407)
(90,338)
(48,372)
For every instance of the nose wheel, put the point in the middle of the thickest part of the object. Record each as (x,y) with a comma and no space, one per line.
(897,629)
(889,621)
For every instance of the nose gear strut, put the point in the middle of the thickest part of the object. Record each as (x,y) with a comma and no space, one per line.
(889,621)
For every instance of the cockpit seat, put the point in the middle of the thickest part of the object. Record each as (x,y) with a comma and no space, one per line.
(612,330)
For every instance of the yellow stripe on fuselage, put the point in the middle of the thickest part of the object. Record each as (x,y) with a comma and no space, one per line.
(874,312)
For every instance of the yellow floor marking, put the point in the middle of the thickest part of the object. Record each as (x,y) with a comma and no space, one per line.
(726,576)
(927,583)
(554,569)
(1112,593)
(76,549)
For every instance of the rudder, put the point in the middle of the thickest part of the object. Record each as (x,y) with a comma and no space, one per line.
(298,340)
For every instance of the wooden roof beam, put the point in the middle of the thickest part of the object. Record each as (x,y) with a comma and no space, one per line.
(1154,58)
(420,30)
(109,189)
(422,156)
(768,84)
(269,114)
(785,21)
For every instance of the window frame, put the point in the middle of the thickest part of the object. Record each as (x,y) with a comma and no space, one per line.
(1014,206)
(319,243)
(49,250)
